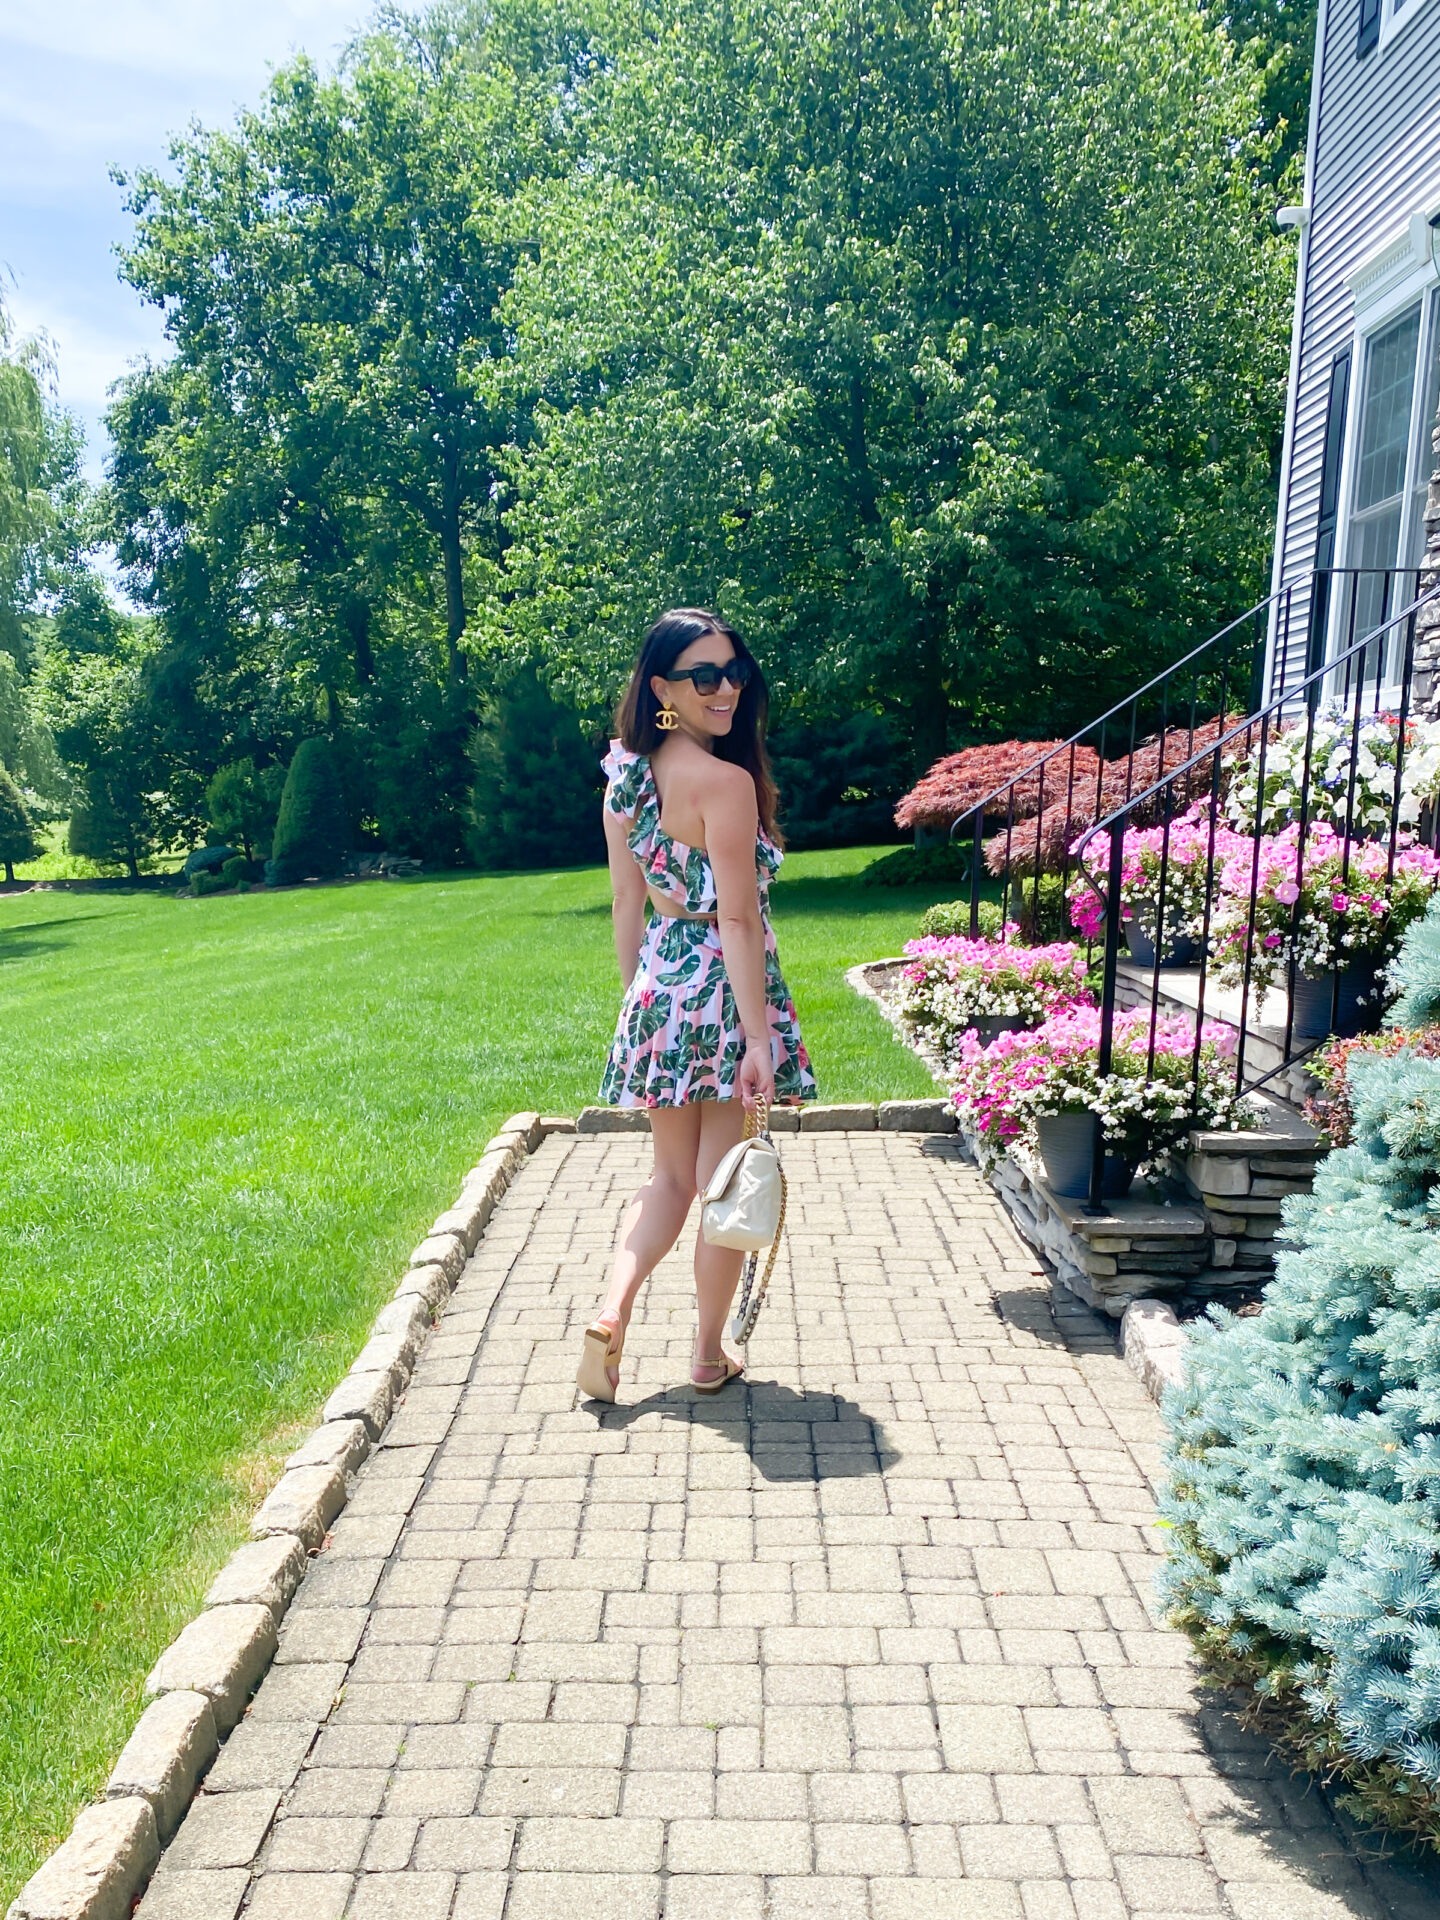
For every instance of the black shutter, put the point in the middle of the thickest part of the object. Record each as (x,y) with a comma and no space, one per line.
(1329,508)
(1369,26)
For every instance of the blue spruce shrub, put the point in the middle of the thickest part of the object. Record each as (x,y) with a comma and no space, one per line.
(1418,972)
(1304,1462)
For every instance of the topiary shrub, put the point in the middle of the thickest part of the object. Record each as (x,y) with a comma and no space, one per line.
(1304,1463)
(311,831)
(206,860)
(950,920)
(239,869)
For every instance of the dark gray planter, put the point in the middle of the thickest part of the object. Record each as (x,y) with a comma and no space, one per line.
(1356,1009)
(1180,953)
(989,1026)
(1067,1146)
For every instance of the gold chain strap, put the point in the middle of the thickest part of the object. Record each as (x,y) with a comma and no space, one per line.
(750,1305)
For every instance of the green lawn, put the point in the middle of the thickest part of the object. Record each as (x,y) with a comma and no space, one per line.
(228,1122)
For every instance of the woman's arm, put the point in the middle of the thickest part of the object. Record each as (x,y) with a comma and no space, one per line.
(628,883)
(730,818)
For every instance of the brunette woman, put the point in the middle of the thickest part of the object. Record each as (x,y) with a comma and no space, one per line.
(707,1028)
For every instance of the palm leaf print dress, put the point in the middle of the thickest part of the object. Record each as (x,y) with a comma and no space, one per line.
(679,1037)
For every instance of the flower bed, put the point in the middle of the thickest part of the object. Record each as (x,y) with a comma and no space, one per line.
(1002,1090)
(951,983)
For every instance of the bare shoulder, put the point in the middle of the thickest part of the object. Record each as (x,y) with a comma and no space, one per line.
(729,784)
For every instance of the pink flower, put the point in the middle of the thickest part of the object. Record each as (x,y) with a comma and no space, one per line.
(1287,893)
(1340,902)
(647,996)
(1272,940)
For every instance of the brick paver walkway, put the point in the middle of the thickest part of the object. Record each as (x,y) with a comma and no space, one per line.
(870,1639)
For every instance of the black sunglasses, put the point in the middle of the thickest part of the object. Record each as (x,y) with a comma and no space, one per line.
(706,678)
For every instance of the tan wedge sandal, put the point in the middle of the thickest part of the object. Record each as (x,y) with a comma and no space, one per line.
(596,1354)
(730,1370)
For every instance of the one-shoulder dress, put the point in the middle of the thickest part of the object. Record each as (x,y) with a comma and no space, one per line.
(679,1037)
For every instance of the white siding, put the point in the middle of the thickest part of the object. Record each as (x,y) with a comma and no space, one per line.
(1375,160)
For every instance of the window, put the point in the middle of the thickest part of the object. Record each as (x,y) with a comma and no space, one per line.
(1369,27)
(1386,533)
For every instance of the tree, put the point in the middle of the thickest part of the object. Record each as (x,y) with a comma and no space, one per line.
(1302,1458)
(242,805)
(95,695)
(310,833)
(1281,35)
(537,783)
(944,348)
(17,835)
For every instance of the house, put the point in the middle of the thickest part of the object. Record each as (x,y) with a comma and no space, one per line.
(1365,349)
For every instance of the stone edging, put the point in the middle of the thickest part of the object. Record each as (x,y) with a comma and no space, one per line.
(1152,1344)
(199,1687)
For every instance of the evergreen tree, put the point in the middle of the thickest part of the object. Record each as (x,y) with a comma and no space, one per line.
(242,803)
(112,820)
(1304,1464)
(536,799)
(17,836)
(310,834)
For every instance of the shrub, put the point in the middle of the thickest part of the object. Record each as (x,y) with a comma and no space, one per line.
(238,869)
(206,860)
(838,784)
(310,833)
(17,834)
(1303,1483)
(1330,1110)
(960,781)
(950,920)
(422,774)
(242,803)
(1416,974)
(918,866)
(537,790)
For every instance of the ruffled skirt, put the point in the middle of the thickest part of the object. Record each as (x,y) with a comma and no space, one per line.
(679,1037)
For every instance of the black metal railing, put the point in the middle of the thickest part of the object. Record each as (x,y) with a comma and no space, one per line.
(1370,679)
(1140,744)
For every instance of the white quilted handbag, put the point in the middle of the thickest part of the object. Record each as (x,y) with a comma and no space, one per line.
(744,1206)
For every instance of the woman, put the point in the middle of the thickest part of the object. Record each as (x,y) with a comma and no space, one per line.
(707,1028)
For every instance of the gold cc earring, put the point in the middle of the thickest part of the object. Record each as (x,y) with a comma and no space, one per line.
(668,718)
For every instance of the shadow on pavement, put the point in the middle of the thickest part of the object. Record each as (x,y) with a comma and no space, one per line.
(792,1436)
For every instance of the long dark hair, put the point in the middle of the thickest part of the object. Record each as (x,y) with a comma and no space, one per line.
(744,745)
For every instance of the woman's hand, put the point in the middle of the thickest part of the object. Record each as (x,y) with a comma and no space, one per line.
(757,1077)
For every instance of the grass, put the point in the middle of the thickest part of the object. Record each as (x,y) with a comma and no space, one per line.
(228,1122)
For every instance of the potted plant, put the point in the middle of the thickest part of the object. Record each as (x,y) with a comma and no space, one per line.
(1327,917)
(953,986)
(1180,855)
(1325,785)
(1044,1088)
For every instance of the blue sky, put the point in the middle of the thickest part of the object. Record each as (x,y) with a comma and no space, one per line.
(85,86)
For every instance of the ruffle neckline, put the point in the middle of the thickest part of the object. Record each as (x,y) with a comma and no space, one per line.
(632,790)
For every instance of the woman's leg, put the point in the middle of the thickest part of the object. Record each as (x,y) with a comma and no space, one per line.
(655,1216)
(717,1269)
